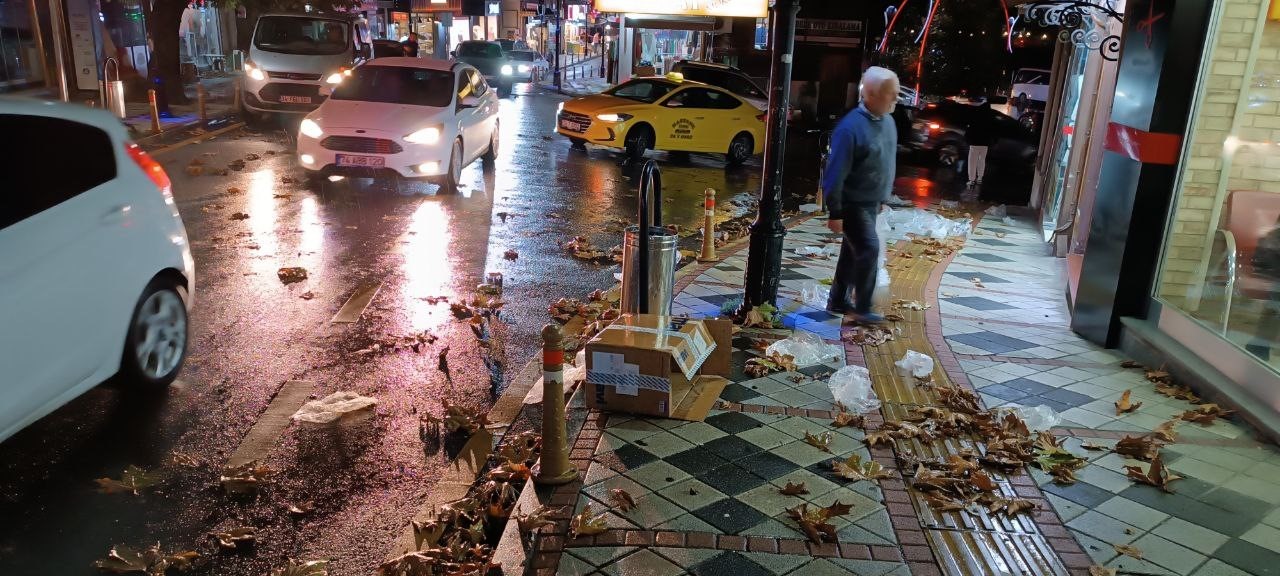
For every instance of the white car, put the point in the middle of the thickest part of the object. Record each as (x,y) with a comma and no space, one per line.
(405,117)
(95,270)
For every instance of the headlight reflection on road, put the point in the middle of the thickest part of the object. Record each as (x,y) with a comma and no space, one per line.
(311,243)
(427,269)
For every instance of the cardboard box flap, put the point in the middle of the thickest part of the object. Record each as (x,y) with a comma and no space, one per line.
(698,399)
(688,342)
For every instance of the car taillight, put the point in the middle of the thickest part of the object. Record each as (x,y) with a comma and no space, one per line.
(934,126)
(762,116)
(149,166)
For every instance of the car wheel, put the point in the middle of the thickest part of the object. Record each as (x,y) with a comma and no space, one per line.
(638,140)
(491,154)
(578,143)
(449,185)
(739,149)
(156,343)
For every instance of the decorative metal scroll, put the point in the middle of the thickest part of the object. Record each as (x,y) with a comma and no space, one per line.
(1079,21)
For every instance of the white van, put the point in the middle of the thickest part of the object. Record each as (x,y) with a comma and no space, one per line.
(1034,82)
(292,55)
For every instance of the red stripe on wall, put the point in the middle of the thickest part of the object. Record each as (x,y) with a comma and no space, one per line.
(1143,146)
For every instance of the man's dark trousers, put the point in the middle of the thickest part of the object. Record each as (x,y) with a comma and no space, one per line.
(856,268)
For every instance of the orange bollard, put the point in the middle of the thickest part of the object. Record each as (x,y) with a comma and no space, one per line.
(709,227)
(155,112)
(553,467)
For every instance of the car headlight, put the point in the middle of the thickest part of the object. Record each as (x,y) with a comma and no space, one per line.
(429,135)
(253,71)
(611,117)
(523,68)
(506,69)
(310,129)
(335,78)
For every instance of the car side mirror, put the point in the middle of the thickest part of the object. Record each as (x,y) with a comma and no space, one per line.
(470,102)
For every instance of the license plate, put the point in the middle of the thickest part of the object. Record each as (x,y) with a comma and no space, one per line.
(572,126)
(295,99)
(362,161)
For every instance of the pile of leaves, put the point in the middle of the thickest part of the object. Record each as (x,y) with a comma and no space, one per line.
(457,419)
(581,248)
(760,367)
(870,335)
(290,275)
(959,483)
(763,316)
(582,320)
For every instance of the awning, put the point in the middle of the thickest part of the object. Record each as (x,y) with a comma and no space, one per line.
(437,6)
(703,23)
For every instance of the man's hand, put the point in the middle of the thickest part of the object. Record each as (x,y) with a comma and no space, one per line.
(835,225)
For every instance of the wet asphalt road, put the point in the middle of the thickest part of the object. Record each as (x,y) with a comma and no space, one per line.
(250,334)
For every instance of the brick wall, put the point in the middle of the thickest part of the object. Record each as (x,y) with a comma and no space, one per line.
(1256,161)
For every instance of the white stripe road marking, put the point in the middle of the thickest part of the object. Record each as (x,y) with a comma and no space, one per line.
(351,311)
(265,433)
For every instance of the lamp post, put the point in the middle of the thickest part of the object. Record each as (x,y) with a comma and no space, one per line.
(764,255)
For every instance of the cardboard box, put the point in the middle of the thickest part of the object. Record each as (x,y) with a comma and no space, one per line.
(658,366)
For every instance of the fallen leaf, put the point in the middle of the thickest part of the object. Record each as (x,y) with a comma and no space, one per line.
(1165,431)
(1096,570)
(290,275)
(152,562)
(982,481)
(1128,550)
(843,419)
(1142,447)
(1156,475)
(873,439)
(1093,446)
(1010,507)
(1157,376)
(855,469)
(822,441)
(1000,234)
(245,479)
(1124,406)
(251,157)
(236,537)
(539,517)
(1130,364)
(301,508)
(307,295)
(621,500)
(1175,391)
(510,254)
(584,524)
(132,479)
(793,489)
(1206,414)
(977,282)
(239,216)
(814,523)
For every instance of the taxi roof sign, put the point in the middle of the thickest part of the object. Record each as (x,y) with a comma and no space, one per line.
(675,76)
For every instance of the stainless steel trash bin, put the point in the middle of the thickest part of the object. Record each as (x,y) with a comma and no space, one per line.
(649,260)
(113,90)
(663,255)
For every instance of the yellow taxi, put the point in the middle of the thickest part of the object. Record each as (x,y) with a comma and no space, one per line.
(665,113)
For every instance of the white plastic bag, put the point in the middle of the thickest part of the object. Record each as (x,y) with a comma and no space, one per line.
(808,208)
(881,296)
(1007,221)
(815,295)
(998,211)
(851,386)
(333,407)
(1038,418)
(915,364)
(807,348)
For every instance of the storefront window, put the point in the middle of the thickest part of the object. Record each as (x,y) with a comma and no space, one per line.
(1066,127)
(199,35)
(1221,260)
(21,61)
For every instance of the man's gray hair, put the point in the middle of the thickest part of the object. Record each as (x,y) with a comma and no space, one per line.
(875,78)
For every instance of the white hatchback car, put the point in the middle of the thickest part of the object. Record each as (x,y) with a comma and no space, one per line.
(411,117)
(95,271)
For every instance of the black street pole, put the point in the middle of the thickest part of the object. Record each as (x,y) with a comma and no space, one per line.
(559,25)
(764,255)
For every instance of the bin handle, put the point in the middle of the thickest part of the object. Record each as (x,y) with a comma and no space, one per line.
(650,183)
(102,88)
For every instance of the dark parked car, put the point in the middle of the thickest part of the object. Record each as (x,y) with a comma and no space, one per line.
(492,62)
(386,48)
(937,133)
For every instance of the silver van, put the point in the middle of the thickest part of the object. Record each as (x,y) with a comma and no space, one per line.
(292,55)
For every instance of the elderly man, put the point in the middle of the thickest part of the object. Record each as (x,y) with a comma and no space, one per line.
(857,180)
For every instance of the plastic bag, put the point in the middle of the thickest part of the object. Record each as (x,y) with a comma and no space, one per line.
(815,295)
(916,364)
(881,296)
(808,208)
(851,386)
(807,348)
(333,407)
(916,221)
(998,211)
(1038,418)
(1007,221)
